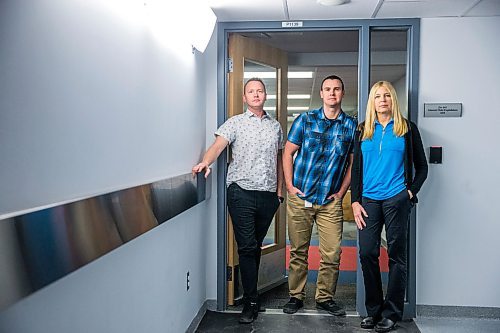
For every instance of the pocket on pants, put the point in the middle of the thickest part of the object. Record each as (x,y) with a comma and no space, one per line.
(234,194)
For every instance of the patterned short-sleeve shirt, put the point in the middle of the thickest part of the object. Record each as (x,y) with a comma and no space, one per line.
(254,145)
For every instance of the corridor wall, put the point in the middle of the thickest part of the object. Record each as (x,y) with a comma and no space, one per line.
(93,100)
(457,219)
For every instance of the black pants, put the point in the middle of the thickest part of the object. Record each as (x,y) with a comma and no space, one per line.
(394,213)
(251,213)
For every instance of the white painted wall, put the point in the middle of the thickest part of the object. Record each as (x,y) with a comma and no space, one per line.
(92,101)
(458,223)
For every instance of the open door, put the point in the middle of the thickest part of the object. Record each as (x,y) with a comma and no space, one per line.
(250,58)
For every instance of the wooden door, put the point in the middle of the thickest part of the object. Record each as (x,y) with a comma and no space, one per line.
(251,58)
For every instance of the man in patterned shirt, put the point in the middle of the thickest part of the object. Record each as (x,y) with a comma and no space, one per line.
(254,181)
(316,183)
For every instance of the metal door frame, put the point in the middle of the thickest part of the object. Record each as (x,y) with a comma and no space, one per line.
(364,28)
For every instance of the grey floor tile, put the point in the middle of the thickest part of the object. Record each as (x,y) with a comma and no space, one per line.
(282,323)
(457,325)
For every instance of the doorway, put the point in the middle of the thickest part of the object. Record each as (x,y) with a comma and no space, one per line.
(361,52)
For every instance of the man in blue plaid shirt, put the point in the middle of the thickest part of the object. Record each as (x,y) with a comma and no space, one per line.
(316,183)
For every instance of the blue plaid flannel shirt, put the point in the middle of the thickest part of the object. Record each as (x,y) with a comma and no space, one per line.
(321,160)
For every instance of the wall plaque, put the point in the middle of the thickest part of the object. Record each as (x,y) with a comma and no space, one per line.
(443,110)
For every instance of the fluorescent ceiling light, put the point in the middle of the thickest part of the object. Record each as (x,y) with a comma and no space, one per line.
(300,75)
(331,2)
(290,108)
(292,96)
(261,75)
(272,75)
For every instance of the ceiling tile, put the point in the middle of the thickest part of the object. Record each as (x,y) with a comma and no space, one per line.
(311,10)
(485,8)
(274,10)
(434,8)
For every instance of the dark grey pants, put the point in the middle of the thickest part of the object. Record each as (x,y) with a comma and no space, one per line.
(394,214)
(251,213)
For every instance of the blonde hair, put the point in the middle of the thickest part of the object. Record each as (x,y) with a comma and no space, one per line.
(400,125)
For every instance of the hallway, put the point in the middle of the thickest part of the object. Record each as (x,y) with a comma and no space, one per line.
(275,321)
(309,319)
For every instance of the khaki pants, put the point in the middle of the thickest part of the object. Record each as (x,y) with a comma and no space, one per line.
(329,223)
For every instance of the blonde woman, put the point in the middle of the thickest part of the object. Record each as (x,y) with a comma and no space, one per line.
(386,149)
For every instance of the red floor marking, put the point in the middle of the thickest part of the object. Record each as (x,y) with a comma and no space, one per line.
(348,259)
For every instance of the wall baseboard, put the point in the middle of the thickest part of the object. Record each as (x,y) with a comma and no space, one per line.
(209,304)
(458,311)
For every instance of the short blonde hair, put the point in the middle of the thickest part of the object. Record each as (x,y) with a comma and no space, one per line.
(400,125)
(255,79)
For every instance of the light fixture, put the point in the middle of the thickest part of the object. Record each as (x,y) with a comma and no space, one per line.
(300,75)
(292,96)
(205,23)
(272,75)
(290,108)
(261,75)
(331,2)
(298,108)
(164,23)
(299,96)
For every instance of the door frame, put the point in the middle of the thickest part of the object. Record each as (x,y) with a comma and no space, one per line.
(364,27)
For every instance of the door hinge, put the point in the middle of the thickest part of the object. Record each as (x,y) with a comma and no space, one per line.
(229,273)
(230,65)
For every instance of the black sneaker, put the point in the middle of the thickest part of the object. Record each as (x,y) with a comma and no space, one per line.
(385,325)
(368,323)
(331,307)
(249,313)
(293,305)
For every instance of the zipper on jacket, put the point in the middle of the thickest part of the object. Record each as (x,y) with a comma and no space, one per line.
(381,139)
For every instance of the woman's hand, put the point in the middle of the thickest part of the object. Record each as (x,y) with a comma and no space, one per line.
(358,212)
